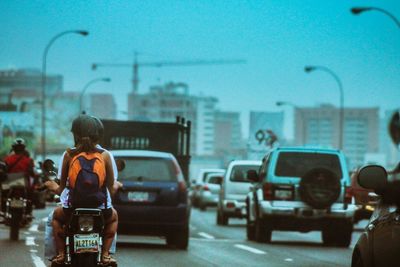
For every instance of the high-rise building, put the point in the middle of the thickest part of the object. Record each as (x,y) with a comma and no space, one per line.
(320,126)
(228,133)
(260,124)
(102,105)
(387,147)
(164,103)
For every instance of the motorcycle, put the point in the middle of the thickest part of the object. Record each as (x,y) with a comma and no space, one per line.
(15,203)
(83,235)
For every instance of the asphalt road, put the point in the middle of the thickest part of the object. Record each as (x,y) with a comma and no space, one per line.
(210,245)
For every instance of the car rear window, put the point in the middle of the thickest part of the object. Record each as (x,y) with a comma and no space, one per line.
(147,169)
(296,164)
(239,172)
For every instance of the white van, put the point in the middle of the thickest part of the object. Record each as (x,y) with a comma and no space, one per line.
(234,190)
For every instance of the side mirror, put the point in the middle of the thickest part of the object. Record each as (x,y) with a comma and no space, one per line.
(48,165)
(252,176)
(372,177)
(120,164)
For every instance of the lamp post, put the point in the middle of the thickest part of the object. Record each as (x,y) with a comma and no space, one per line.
(44,65)
(284,103)
(87,86)
(359,10)
(309,69)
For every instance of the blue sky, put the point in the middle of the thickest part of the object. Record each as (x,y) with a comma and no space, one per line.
(277,38)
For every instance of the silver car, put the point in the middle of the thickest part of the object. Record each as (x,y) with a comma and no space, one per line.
(209,191)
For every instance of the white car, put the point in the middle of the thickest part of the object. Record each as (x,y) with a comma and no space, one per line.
(209,191)
(234,190)
(199,181)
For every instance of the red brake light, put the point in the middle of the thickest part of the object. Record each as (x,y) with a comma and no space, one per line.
(206,188)
(348,195)
(182,186)
(267,191)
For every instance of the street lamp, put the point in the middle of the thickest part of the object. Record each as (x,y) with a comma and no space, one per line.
(44,63)
(87,86)
(284,103)
(309,69)
(359,10)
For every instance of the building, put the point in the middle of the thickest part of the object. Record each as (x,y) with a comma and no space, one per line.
(387,147)
(260,123)
(165,102)
(228,133)
(320,126)
(101,105)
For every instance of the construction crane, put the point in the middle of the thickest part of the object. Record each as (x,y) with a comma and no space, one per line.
(135,66)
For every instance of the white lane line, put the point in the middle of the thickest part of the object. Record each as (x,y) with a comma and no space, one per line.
(289,259)
(37,260)
(30,241)
(205,235)
(250,249)
(34,228)
(44,219)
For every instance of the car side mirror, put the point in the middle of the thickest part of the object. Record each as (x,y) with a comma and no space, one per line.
(372,177)
(252,176)
(120,164)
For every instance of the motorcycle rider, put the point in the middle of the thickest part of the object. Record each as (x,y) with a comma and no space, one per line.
(87,131)
(19,161)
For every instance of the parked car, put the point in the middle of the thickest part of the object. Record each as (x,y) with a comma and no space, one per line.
(199,181)
(301,189)
(153,199)
(379,244)
(209,191)
(234,189)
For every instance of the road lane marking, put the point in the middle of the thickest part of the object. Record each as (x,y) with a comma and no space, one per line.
(250,249)
(30,241)
(205,235)
(34,228)
(44,219)
(37,260)
(289,259)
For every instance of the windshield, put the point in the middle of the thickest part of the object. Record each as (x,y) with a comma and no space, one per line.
(239,172)
(147,169)
(297,164)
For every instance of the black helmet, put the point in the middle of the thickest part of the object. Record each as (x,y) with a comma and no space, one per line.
(18,144)
(394,128)
(85,126)
(100,127)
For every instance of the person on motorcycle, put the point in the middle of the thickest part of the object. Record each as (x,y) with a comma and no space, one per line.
(19,161)
(87,131)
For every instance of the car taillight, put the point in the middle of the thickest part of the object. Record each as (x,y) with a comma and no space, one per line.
(284,192)
(267,191)
(348,195)
(182,186)
(182,192)
(206,188)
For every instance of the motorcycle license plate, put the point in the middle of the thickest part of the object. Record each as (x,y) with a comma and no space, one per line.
(138,196)
(17,203)
(86,243)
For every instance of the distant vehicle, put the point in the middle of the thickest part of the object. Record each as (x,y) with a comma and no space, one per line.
(301,189)
(153,200)
(234,189)
(379,244)
(198,183)
(209,191)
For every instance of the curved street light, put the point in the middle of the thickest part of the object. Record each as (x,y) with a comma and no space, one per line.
(284,103)
(309,69)
(44,65)
(359,10)
(87,86)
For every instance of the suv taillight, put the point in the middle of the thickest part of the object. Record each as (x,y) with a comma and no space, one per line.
(182,192)
(267,191)
(284,192)
(206,188)
(348,195)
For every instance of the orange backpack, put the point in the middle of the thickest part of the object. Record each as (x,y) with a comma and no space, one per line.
(87,174)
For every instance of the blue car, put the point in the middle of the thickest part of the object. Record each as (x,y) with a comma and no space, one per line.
(153,199)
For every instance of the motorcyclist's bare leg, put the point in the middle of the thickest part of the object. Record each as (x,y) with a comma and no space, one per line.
(58,231)
(109,233)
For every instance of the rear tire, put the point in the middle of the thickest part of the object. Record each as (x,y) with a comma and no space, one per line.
(179,239)
(250,228)
(15,225)
(263,231)
(339,234)
(203,207)
(221,218)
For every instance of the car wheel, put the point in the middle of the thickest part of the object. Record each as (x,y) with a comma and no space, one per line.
(356,260)
(222,219)
(262,231)
(344,233)
(179,238)
(328,237)
(203,207)
(250,230)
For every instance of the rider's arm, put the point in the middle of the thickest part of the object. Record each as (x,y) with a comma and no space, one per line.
(395,170)
(109,172)
(64,174)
